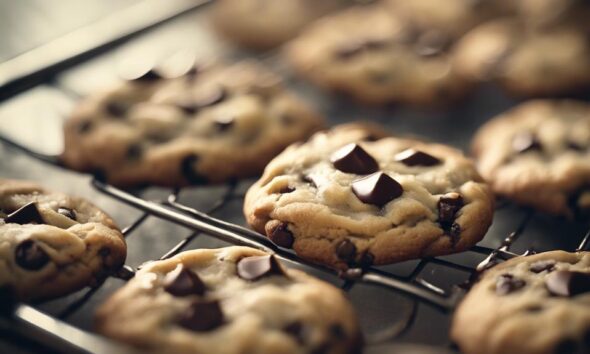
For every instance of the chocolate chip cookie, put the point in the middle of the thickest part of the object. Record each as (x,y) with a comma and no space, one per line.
(528,305)
(52,244)
(350,197)
(229,300)
(262,24)
(538,154)
(212,124)
(526,62)
(376,55)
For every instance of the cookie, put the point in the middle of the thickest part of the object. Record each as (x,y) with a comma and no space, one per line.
(229,300)
(538,154)
(211,125)
(547,13)
(52,244)
(525,62)
(375,56)
(528,305)
(262,24)
(349,197)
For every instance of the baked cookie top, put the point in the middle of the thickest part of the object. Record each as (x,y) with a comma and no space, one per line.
(538,154)
(350,196)
(526,62)
(213,124)
(262,24)
(377,56)
(52,244)
(229,300)
(535,305)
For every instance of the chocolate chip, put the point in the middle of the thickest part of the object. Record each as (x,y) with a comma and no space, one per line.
(352,158)
(254,268)
(448,205)
(431,43)
(117,109)
(295,329)
(30,256)
(568,283)
(134,152)
(183,282)
(202,316)
(67,212)
(366,259)
(85,126)
(508,283)
(149,75)
(540,266)
(188,170)
(27,214)
(411,157)
(212,96)
(566,346)
(348,50)
(377,189)
(524,142)
(281,236)
(346,250)
(224,123)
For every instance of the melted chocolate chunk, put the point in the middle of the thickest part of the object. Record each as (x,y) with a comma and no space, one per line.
(224,123)
(431,43)
(377,189)
(202,316)
(448,206)
(411,157)
(117,109)
(508,283)
(67,212)
(352,158)
(524,142)
(150,75)
(134,152)
(540,266)
(346,250)
(85,126)
(28,255)
(188,169)
(568,283)
(184,282)
(211,97)
(27,214)
(254,268)
(281,236)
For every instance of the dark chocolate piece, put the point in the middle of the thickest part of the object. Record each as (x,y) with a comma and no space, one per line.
(352,158)
(411,157)
(282,236)
(188,169)
(539,266)
(27,214)
(134,152)
(28,255)
(346,250)
(448,206)
(568,283)
(184,282)
(256,267)
(508,283)
(377,189)
(202,316)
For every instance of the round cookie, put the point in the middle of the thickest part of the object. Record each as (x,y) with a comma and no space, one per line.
(211,125)
(526,62)
(377,56)
(348,197)
(229,300)
(52,244)
(528,305)
(262,24)
(538,154)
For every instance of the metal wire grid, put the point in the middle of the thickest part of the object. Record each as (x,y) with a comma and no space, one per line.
(203,222)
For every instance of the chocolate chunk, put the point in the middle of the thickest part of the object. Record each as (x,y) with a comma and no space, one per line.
(566,346)
(345,250)
(352,158)
(117,109)
(202,316)
(286,190)
(568,283)
(282,236)
(67,212)
(377,189)
(149,75)
(134,152)
(295,329)
(188,169)
(348,50)
(431,43)
(224,123)
(524,142)
(366,259)
(254,268)
(540,266)
(508,283)
(85,126)
(27,214)
(411,157)
(28,255)
(212,96)
(184,282)
(448,205)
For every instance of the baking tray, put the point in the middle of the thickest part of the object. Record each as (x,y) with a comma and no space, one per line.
(403,308)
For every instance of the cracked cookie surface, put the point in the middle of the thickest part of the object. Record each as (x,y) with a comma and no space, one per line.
(229,300)
(211,125)
(52,244)
(538,154)
(537,304)
(352,196)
